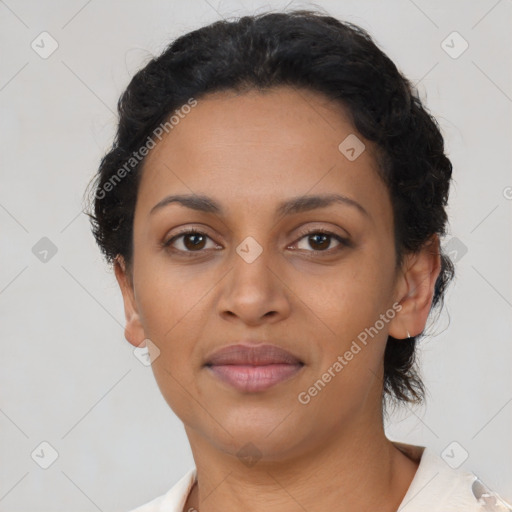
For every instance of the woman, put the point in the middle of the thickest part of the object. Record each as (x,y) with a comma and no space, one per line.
(273,205)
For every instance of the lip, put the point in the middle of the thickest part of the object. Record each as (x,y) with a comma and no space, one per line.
(253,368)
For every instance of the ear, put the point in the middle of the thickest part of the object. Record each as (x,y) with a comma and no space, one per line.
(133,331)
(415,289)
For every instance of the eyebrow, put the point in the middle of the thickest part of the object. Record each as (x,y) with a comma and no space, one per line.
(293,205)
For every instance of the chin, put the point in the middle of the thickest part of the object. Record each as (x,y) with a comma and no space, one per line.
(268,437)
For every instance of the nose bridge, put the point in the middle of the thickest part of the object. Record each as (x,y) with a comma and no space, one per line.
(253,288)
(253,244)
(251,262)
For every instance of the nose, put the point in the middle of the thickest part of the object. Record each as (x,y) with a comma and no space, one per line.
(254,292)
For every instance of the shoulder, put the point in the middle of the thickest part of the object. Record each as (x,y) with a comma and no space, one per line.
(174,499)
(437,486)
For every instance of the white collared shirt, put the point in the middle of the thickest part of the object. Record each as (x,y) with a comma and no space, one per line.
(436,487)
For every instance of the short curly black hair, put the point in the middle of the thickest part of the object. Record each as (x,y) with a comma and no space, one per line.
(303,49)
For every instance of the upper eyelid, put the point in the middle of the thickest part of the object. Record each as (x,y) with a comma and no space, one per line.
(322,227)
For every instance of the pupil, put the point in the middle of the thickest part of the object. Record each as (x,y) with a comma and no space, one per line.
(193,244)
(325,237)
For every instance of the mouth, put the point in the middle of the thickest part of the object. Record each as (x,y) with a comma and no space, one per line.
(253,368)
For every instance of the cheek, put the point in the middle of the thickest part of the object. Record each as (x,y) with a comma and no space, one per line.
(169,295)
(343,309)
(172,309)
(171,312)
(346,299)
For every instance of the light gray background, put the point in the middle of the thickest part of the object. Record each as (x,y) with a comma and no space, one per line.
(68,377)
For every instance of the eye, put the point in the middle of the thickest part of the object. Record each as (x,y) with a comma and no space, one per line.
(189,241)
(320,240)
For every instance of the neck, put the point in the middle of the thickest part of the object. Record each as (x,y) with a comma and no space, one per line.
(356,469)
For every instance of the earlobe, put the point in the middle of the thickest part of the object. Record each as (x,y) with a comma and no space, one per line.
(416,290)
(133,331)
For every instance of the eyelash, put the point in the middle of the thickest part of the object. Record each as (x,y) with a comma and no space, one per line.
(343,241)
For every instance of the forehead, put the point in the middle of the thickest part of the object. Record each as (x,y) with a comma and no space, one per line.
(256,148)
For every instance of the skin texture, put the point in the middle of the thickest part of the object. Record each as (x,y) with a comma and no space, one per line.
(250,151)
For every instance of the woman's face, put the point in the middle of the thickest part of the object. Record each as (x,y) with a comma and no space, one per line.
(256,275)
